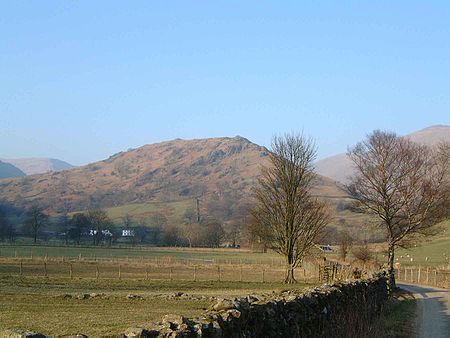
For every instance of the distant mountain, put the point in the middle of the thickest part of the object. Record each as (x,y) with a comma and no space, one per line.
(431,136)
(33,166)
(339,167)
(221,170)
(7,170)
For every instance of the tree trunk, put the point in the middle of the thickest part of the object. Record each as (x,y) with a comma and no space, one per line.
(391,270)
(35,237)
(290,279)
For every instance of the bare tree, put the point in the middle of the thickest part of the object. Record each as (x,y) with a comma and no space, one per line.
(213,233)
(4,224)
(363,253)
(345,244)
(79,223)
(403,184)
(36,220)
(190,230)
(233,231)
(63,223)
(127,221)
(291,220)
(99,221)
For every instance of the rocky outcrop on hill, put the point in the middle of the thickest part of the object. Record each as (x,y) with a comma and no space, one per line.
(216,169)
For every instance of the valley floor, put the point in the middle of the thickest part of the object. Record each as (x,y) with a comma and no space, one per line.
(59,306)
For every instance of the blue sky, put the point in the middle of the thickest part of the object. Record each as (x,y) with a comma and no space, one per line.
(81,80)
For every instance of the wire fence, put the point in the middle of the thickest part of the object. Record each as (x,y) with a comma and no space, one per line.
(165,255)
(150,270)
(424,275)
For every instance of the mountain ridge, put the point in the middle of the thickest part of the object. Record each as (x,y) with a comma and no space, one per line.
(38,165)
(339,167)
(8,170)
(219,169)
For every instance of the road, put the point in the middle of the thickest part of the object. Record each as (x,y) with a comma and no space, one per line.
(433,310)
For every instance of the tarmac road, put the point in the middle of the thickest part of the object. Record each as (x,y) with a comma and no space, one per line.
(433,310)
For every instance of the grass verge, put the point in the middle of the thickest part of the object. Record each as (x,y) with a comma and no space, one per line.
(398,318)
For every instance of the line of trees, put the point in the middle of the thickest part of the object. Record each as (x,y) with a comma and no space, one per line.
(403,186)
(94,227)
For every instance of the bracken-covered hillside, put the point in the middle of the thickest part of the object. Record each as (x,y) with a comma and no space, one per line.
(215,168)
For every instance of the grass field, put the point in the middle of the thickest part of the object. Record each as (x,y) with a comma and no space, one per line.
(173,210)
(436,248)
(51,306)
(38,291)
(199,255)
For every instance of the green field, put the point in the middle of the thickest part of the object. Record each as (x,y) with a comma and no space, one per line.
(172,210)
(436,248)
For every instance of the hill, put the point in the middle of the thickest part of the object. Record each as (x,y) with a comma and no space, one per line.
(221,171)
(7,170)
(339,167)
(33,166)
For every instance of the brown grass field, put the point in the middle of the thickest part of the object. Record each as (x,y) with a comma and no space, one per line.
(42,292)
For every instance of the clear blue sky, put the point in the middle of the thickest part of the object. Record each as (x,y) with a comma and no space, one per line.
(80,80)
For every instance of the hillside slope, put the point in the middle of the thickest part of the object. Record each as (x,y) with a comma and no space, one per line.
(7,170)
(33,166)
(216,169)
(339,167)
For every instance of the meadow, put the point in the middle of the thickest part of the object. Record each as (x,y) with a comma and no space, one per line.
(42,287)
(433,251)
(57,306)
(200,255)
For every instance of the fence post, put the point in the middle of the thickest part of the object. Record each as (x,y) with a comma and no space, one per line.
(240,274)
(405,279)
(21,269)
(435,277)
(218,272)
(263,271)
(70,271)
(428,275)
(418,276)
(45,269)
(120,272)
(146,273)
(195,273)
(96,272)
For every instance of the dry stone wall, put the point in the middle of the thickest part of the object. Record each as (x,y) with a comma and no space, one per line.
(341,310)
